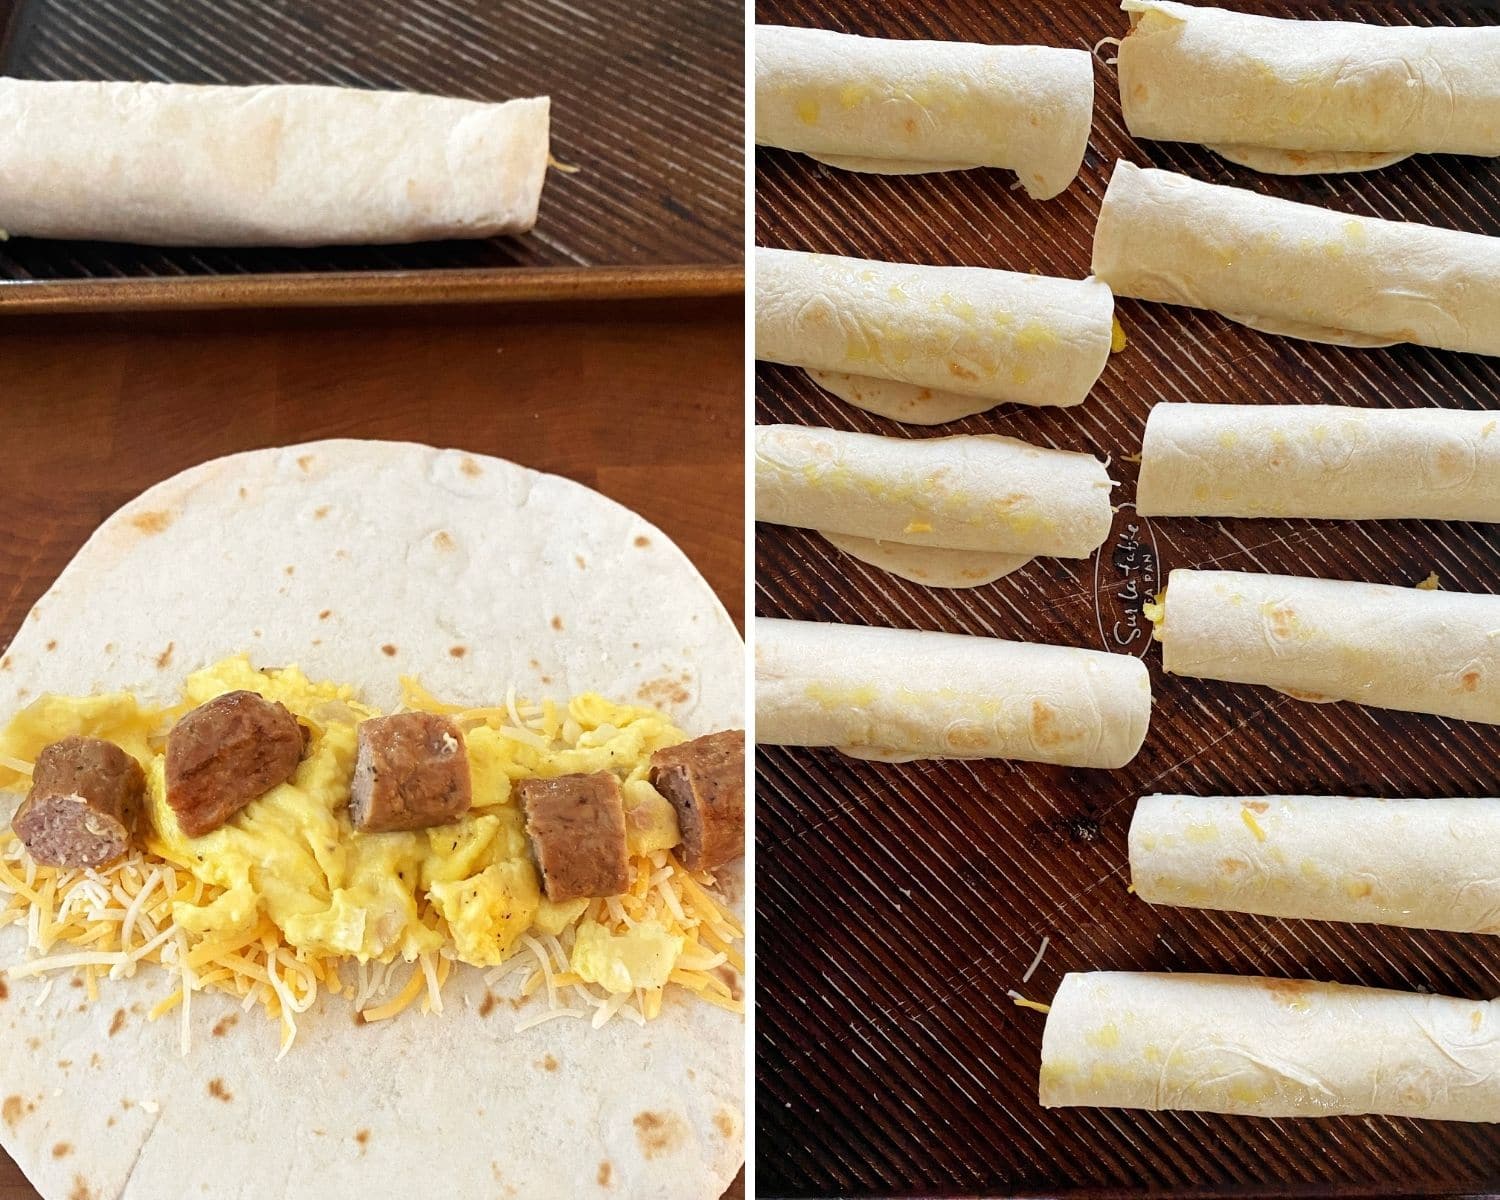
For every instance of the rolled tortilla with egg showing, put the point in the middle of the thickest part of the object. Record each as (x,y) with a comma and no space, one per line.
(1422,864)
(1268,1048)
(1326,639)
(903,107)
(1296,269)
(945,512)
(1321,461)
(1294,97)
(895,695)
(931,344)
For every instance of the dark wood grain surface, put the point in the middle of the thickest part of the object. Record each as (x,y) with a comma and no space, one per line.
(647,103)
(897,905)
(643,401)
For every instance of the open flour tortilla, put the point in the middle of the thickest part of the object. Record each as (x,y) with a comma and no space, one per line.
(283,165)
(895,695)
(947,512)
(1268,1048)
(1303,97)
(1328,639)
(1422,864)
(1296,269)
(931,344)
(895,106)
(320,555)
(1320,461)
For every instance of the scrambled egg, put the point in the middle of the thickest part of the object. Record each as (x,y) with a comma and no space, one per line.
(293,858)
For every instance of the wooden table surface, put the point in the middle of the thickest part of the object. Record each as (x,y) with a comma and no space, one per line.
(643,401)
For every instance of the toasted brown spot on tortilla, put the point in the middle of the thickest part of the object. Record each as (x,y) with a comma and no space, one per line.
(4,991)
(959,371)
(152,522)
(642,541)
(1469,680)
(605,1173)
(62,1150)
(244,493)
(12,1110)
(305,461)
(96,1060)
(1259,806)
(443,540)
(64,1064)
(549,1063)
(226,1024)
(458,651)
(164,659)
(388,650)
(325,614)
(469,467)
(218,1091)
(110,1124)
(1288,991)
(666,690)
(582,566)
(1230,865)
(320,512)
(725,1123)
(76,981)
(52,645)
(5,663)
(289,569)
(363,1137)
(487,1005)
(557,624)
(80,1189)
(658,1134)
(34,1043)
(117,1023)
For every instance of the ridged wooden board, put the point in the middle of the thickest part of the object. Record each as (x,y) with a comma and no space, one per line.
(898,904)
(647,101)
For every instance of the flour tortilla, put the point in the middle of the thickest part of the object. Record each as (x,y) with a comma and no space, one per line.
(895,695)
(949,512)
(319,555)
(931,344)
(1327,639)
(1303,97)
(1297,269)
(181,165)
(898,107)
(1422,864)
(1322,461)
(1268,1048)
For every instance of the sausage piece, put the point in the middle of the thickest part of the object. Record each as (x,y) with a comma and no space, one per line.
(226,753)
(576,825)
(411,772)
(84,802)
(705,781)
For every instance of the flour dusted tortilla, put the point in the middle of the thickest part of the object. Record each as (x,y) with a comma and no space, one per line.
(898,107)
(1318,460)
(950,512)
(1327,639)
(1423,864)
(894,695)
(931,344)
(321,555)
(1297,269)
(283,165)
(1301,97)
(1268,1048)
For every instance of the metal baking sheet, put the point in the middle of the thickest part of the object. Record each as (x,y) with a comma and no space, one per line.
(898,904)
(647,100)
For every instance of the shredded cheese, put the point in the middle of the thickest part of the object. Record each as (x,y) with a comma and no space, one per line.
(1037,961)
(1020,1001)
(1252,824)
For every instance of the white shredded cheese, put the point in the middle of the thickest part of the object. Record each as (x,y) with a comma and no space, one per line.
(1037,961)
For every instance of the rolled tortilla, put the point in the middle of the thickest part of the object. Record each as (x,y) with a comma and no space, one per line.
(950,512)
(894,695)
(179,165)
(1268,1048)
(1302,97)
(1313,460)
(1327,639)
(1297,269)
(931,344)
(1423,864)
(905,107)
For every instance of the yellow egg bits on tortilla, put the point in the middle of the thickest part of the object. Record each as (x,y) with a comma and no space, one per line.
(273,906)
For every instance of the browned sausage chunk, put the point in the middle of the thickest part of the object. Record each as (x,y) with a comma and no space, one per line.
(411,772)
(84,801)
(226,753)
(576,824)
(705,781)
